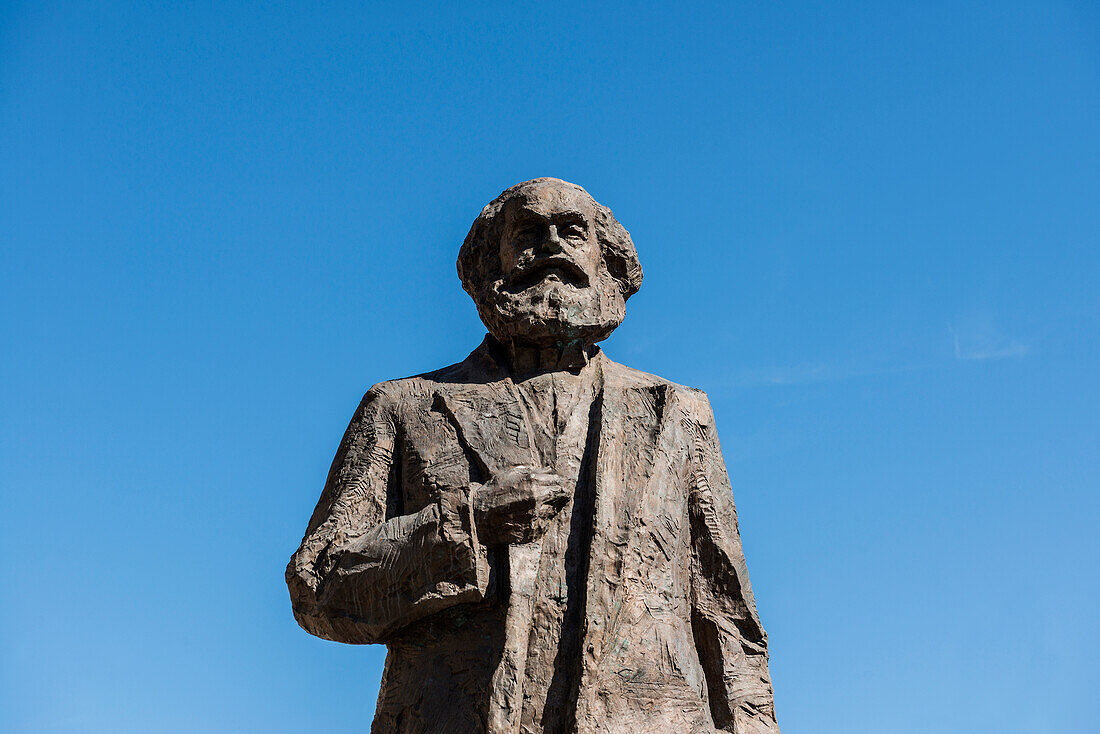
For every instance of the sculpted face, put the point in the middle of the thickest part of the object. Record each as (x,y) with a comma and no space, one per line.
(548,246)
(553,286)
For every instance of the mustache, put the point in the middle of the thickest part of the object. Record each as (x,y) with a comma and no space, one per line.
(534,271)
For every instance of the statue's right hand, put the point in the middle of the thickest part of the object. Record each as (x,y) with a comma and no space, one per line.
(517,504)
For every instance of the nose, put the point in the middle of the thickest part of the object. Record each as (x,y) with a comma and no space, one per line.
(553,242)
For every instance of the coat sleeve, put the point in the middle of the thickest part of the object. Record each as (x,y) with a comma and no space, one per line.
(365,568)
(732,644)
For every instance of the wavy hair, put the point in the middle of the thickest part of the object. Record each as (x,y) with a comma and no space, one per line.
(479,256)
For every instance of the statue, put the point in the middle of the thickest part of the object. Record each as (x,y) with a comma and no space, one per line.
(545,539)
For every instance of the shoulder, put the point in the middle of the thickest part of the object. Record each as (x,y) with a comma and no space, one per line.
(396,396)
(417,392)
(692,400)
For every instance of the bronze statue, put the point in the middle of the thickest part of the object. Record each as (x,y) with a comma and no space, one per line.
(545,539)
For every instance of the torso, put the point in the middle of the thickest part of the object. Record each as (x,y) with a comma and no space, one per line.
(558,407)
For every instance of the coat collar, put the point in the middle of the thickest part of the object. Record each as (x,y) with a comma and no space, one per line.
(482,401)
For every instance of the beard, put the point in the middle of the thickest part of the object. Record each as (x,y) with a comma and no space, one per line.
(553,313)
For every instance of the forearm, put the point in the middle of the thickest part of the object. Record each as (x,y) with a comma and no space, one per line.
(365,587)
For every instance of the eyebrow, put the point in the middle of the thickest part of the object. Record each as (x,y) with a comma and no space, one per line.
(556,216)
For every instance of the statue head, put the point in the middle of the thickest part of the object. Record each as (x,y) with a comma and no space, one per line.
(548,265)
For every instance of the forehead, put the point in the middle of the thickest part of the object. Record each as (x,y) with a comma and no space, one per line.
(549,202)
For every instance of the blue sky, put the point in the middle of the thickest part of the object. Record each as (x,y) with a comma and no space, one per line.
(870,231)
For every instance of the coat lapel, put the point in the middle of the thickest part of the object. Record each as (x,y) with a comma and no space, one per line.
(483,406)
(490,425)
(634,422)
(489,421)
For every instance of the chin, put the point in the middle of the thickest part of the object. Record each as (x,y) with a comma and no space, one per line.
(553,314)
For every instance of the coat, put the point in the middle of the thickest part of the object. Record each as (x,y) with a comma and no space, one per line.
(671,639)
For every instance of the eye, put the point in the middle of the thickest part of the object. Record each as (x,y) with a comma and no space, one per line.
(573,230)
(526,231)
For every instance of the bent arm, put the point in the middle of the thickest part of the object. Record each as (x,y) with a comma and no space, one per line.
(732,644)
(366,569)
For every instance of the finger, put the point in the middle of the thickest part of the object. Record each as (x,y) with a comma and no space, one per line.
(550,491)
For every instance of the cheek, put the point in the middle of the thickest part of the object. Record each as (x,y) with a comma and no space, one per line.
(591,255)
(508,257)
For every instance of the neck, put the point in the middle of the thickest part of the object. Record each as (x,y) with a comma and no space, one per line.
(530,359)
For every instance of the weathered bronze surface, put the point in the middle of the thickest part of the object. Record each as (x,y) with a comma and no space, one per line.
(545,539)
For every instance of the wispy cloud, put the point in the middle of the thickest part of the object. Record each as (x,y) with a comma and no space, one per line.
(977,336)
(805,374)
(1004,351)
